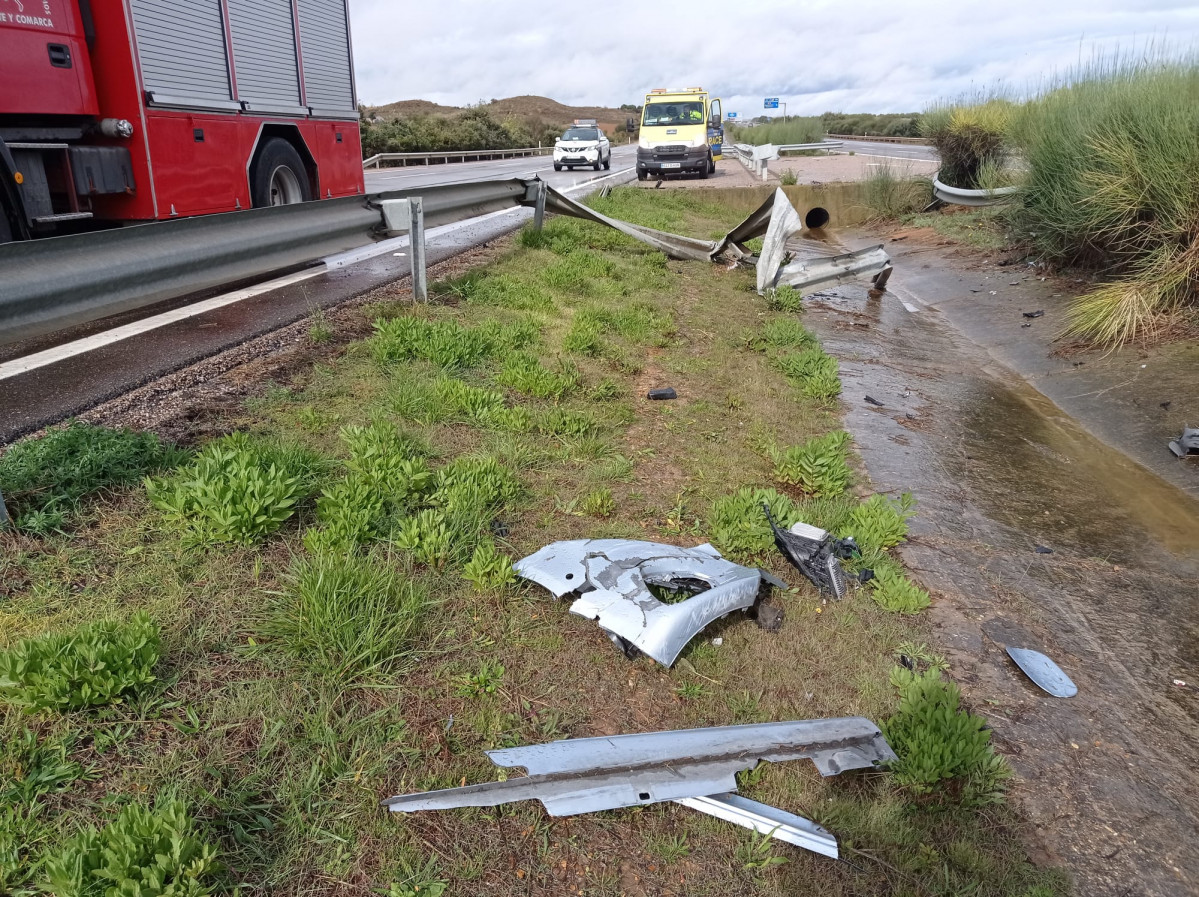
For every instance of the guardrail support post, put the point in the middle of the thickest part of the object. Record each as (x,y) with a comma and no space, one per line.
(416,243)
(539,209)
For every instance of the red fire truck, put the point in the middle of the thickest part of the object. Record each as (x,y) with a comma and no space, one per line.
(126,111)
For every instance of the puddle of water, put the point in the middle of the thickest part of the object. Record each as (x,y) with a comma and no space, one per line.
(1046,475)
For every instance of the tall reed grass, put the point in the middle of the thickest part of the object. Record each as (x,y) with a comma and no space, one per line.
(1113,183)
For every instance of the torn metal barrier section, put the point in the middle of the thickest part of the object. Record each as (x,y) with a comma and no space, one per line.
(613,579)
(778,264)
(766,820)
(586,775)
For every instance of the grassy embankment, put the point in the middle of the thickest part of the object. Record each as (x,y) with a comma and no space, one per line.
(1107,162)
(318,611)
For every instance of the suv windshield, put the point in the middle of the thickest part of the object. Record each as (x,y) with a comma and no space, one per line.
(673,114)
(581,134)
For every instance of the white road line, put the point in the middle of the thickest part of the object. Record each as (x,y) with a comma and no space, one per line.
(334,262)
(108,337)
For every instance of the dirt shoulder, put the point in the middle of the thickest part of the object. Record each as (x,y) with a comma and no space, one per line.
(1037,530)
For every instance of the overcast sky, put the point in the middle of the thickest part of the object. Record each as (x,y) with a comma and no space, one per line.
(840,55)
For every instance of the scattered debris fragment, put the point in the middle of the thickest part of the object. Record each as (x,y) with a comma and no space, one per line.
(1044,549)
(815,553)
(613,578)
(864,576)
(770,617)
(1034,314)
(1043,671)
(586,775)
(873,401)
(766,820)
(664,392)
(1165,406)
(1187,443)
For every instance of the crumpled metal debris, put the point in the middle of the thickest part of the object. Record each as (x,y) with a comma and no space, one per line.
(1043,671)
(1186,444)
(766,820)
(613,577)
(777,265)
(814,552)
(586,775)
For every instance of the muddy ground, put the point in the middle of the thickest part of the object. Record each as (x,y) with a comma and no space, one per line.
(978,421)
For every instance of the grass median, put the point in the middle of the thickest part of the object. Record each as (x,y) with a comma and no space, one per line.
(335,618)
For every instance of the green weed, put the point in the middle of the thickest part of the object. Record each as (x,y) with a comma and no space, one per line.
(879,523)
(893,591)
(738,523)
(567,424)
(598,503)
(485,682)
(142,852)
(786,333)
(788,178)
(319,330)
(785,298)
(818,467)
(890,192)
(346,616)
(937,742)
(238,489)
(578,271)
(755,853)
(670,848)
(813,371)
(43,480)
(524,373)
(96,664)
(583,338)
(488,570)
(447,344)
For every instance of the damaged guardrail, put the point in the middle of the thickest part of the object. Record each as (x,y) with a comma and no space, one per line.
(963,197)
(695,767)
(756,156)
(65,281)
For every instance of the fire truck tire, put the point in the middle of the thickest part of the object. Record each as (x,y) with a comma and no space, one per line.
(279,176)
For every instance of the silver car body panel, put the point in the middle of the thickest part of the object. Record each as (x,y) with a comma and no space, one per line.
(1043,671)
(613,577)
(766,820)
(585,775)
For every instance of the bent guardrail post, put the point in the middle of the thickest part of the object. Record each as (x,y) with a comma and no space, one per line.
(416,243)
(539,208)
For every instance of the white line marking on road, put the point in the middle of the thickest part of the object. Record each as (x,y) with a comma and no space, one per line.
(108,337)
(330,263)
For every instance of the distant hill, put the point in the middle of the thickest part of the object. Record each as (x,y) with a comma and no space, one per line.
(535,113)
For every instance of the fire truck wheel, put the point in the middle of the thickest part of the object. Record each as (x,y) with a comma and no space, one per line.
(279,176)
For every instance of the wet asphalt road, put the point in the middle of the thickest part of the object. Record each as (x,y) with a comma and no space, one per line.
(45,395)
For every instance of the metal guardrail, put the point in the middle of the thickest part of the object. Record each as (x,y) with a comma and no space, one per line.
(64,281)
(756,157)
(916,141)
(444,157)
(963,197)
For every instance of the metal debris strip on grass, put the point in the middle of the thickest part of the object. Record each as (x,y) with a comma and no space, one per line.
(695,767)
(777,265)
(613,578)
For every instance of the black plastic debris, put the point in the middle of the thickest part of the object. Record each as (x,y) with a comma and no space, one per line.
(664,392)
(1034,314)
(873,401)
(1165,406)
(1186,444)
(815,553)
(864,576)
(770,617)
(1044,549)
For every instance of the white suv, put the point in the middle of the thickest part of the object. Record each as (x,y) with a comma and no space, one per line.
(582,145)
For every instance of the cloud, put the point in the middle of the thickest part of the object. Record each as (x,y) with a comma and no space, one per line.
(856,55)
